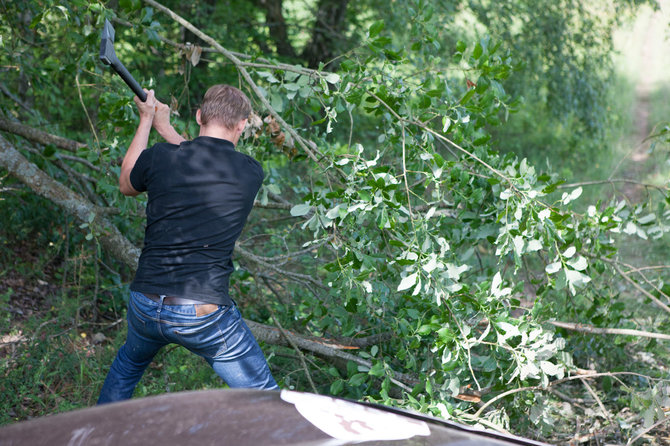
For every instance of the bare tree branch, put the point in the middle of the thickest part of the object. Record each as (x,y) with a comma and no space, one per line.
(653,298)
(612,181)
(9,94)
(271,205)
(261,261)
(330,352)
(649,429)
(605,412)
(39,136)
(615,331)
(632,269)
(283,257)
(77,159)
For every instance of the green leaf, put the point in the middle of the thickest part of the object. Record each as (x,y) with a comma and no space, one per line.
(567,198)
(552,187)
(277,102)
(454,386)
(498,88)
(393,55)
(332,78)
(482,140)
(148,14)
(553,267)
(467,97)
(570,252)
(36,20)
(336,387)
(436,93)
(445,334)
(649,416)
(358,379)
(408,282)
(575,280)
(550,368)
(477,52)
(534,245)
(376,28)
(578,264)
(382,41)
(300,209)
(268,76)
(320,121)
(425,329)
(377,370)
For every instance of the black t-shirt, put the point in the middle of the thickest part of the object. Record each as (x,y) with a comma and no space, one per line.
(199,196)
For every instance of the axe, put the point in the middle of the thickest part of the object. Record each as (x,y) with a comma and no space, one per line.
(108,57)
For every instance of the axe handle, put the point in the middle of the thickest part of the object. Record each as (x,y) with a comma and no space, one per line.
(129,80)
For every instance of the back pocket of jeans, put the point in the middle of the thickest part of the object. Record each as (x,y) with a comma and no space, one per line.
(205,339)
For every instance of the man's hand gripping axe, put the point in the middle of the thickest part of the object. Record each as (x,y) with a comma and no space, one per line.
(108,57)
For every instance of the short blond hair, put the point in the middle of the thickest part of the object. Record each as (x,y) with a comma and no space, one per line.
(224,105)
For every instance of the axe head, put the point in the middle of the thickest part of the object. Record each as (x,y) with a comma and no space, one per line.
(107,53)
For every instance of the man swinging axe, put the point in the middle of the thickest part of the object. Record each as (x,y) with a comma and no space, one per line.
(200,193)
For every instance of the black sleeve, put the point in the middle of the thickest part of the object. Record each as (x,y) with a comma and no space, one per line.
(140,173)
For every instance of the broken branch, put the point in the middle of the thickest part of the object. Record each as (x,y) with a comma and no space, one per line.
(615,331)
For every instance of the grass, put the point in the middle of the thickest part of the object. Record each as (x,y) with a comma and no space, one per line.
(61,368)
(53,364)
(63,319)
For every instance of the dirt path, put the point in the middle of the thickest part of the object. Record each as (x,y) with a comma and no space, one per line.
(652,47)
(642,92)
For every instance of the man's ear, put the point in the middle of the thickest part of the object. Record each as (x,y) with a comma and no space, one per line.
(197,117)
(241,125)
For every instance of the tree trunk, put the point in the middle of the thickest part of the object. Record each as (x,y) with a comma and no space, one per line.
(274,20)
(42,184)
(327,32)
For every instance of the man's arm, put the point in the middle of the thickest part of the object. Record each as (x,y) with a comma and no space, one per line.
(162,125)
(147,110)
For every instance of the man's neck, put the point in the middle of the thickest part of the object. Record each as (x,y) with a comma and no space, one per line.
(220,132)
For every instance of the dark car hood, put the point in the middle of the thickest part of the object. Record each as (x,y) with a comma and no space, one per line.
(246,417)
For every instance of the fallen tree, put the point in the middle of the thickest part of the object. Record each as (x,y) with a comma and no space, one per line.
(120,248)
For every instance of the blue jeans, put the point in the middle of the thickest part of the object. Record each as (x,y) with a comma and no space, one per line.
(221,337)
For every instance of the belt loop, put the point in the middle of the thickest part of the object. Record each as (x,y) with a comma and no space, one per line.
(160,304)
